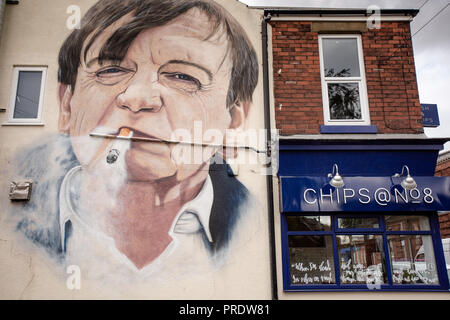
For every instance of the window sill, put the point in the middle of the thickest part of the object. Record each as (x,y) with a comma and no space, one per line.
(23,124)
(348,129)
(366,288)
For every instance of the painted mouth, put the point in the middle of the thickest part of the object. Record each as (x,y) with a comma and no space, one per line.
(136,135)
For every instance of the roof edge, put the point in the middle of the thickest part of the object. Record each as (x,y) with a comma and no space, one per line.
(330,11)
(443,157)
(398,139)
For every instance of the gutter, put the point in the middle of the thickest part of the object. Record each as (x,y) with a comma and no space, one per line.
(270,206)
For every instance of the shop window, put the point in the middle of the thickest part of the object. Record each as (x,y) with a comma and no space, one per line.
(343,80)
(27,95)
(312,258)
(361,259)
(371,252)
(412,259)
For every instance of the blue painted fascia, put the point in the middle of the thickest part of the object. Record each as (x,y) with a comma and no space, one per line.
(358,157)
(348,129)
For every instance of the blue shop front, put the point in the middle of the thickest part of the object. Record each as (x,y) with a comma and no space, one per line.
(362,214)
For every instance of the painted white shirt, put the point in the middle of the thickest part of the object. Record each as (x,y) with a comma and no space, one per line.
(98,258)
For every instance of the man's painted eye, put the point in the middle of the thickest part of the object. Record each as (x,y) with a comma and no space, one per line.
(180,81)
(112,75)
(109,71)
(183,77)
(112,70)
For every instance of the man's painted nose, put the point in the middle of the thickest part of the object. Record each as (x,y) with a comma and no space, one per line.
(141,95)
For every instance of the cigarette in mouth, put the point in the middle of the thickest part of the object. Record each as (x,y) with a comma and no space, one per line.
(114,153)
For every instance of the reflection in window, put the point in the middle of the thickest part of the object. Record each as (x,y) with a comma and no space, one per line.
(358,223)
(341,57)
(344,101)
(407,223)
(361,259)
(412,259)
(311,260)
(309,223)
(28,94)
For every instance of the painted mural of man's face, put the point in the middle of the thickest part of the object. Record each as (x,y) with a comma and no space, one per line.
(172,77)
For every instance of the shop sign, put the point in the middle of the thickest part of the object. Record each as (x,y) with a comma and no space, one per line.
(303,194)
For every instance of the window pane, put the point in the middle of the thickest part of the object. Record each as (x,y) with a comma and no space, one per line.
(361,259)
(304,223)
(311,260)
(344,101)
(27,96)
(407,223)
(412,259)
(446,247)
(341,57)
(358,223)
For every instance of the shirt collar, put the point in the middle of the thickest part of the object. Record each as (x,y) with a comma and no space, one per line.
(192,217)
(196,213)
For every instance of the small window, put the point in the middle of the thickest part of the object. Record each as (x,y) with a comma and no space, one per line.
(358,223)
(27,95)
(407,223)
(309,223)
(343,80)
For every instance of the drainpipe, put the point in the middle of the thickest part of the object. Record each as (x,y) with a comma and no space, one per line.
(2,14)
(273,266)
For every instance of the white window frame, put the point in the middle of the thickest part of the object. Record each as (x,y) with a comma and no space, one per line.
(12,101)
(361,80)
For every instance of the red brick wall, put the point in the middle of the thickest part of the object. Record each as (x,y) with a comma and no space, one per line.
(443,169)
(390,74)
(444,224)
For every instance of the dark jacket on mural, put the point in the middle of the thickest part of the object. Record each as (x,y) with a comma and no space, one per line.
(47,163)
